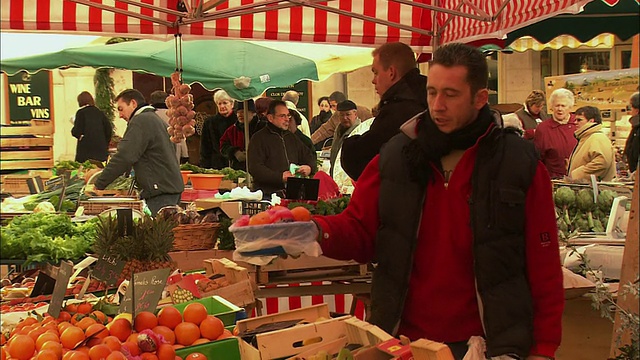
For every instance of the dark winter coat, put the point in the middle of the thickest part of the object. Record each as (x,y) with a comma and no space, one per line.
(146,147)
(399,103)
(233,141)
(632,146)
(212,131)
(271,151)
(93,131)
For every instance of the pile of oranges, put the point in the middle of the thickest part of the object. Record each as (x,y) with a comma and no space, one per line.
(91,335)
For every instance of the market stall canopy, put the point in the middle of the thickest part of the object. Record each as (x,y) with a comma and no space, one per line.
(244,69)
(319,21)
(563,41)
(620,18)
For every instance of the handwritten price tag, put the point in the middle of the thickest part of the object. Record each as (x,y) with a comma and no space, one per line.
(145,291)
(59,290)
(108,269)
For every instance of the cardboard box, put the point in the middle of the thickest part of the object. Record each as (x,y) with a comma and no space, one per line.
(233,208)
(424,349)
(194,259)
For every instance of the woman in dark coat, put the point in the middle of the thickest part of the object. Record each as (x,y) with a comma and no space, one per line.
(322,117)
(92,129)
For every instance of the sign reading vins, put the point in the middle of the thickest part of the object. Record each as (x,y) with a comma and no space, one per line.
(108,269)
(60,289)
(145,291)
(29,96)
(302,87)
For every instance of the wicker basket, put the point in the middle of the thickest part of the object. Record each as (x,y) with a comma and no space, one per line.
(195,236)
(96,207)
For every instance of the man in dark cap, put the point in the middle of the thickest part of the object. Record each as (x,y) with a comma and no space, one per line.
(347,113)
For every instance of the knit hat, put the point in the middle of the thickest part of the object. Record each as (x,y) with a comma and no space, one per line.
(347,105)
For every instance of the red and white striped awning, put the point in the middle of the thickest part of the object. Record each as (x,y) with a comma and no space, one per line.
(335,21)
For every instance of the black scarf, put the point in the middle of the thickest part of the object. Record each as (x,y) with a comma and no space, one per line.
(432,144)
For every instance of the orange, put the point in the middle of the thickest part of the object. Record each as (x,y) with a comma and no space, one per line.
(187,333)
(4,353)
(201,341)
(195,313)
(71,336)
(196,356)
(225,334)
(145,320)
(71,308)
(54,346)
(97,331)
(63,326)
(112,342)
(166,352)
(177,346)
(46,337)
(166,333)
(84,349)
(75,355)
(99,352)
(116,355)
(301,213)
(120,328)
(47,355)
(30,321)
(93,342)
(3,339)
(85,323)
(133,338)
(77,317)
(99,316)
(22,347)
(85,308)
(261,218)
(131,347)
(169,317)
(64,316)
(211,327)
(148,356)
(35,333)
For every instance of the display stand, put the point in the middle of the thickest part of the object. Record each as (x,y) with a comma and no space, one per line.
(629,273)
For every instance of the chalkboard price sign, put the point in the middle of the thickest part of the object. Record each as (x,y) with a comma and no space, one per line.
(60,289)
(302,87)
(108,269)
(29,96)
(145,291)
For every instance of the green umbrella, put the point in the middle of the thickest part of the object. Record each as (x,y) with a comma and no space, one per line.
(245,69)
(622,20)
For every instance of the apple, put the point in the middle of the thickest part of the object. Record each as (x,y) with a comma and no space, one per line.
(282,214)
(242,221)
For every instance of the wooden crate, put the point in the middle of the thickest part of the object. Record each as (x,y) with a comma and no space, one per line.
(308,268)
(95,207)
(16,184)
(20,153)
(240,290)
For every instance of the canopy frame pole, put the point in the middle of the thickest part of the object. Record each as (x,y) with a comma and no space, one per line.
(435,39)
(449,19)
(210,4)
(501,9)
(153,7)
(241,10)
(475,8)
(247,135)
(443,10)
(124,12)
(363,17)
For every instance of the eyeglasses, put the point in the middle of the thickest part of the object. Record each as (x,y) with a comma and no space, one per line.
(628,107)
(283,116)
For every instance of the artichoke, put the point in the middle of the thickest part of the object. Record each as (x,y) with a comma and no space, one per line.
(605,200)
(587,204)
(564,197)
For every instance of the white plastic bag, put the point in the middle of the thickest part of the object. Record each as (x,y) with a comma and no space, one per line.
(259,244)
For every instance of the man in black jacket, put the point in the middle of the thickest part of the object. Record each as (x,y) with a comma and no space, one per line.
(403,94)
(146,147)
(274,149)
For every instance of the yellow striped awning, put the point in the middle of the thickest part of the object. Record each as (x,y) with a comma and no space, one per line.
(529,43)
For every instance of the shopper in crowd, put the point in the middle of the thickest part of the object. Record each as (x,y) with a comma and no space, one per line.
(157,99)
(213,129)
(294,127)
(632,146)
(348,122)
(323,116)
(323,135)
(554,138)
(533,113)
(259,120)
(594,153)
(291,98)
(232,141)
(402,95)
(274,149)
(485,232)
(92,129)
(146,147)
